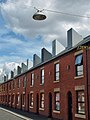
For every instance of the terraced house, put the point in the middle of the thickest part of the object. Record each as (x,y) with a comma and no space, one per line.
(58,84)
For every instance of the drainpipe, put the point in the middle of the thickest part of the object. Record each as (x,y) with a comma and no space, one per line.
(87,81)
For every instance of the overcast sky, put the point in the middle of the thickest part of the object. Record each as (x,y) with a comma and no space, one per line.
(21,36)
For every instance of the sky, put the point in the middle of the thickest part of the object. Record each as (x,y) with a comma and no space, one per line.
(21,36)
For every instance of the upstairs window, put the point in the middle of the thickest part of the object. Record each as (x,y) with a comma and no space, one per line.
(24,82)
(10,86)
(7,87)
(19,83)
(32,79)
(79,65)
(42,76)
(57,72)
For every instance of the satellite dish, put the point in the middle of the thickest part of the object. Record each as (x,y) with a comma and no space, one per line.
(39,15)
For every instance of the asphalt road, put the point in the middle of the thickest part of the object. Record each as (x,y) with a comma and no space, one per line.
(8,116)
(8,113)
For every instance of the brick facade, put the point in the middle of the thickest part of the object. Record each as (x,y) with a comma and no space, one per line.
(67,86)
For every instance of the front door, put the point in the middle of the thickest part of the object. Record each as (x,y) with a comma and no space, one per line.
(21,102)
(50,105)
(28,102)
(37,103)
(69,106)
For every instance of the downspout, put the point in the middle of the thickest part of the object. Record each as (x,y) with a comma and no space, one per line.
(87,82)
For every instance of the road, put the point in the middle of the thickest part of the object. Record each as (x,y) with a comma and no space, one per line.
(8,113)
(8,116)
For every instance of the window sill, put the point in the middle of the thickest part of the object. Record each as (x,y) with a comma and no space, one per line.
(77,77)
(23,105)
(12,103)
(80,116)
(41,109)
(30,107)
(23,92)
(41,84)
(17,104)
(57,81)
(55,111)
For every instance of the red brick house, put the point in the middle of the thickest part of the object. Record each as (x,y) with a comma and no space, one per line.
(58,87)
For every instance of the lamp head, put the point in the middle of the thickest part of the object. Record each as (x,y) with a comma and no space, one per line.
(39,16)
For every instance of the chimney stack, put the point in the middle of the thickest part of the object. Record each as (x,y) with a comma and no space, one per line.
(73,38)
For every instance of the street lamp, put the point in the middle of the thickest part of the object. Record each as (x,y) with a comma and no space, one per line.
(39,15)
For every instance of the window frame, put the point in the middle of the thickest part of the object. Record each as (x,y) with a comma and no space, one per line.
(42,102)
(10,86)
(57,71)
(79,66)
(24,82)
(31,100)
(32,79)
(56,101)
(19,82)
(13,84)
(80,102)
(42,76)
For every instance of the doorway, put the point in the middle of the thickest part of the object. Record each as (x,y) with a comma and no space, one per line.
(50,105)
(69,105)
(37,103)
(28,103)
(21,102)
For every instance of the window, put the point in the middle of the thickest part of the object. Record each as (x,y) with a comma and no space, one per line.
(57,72)
(57,101)
(23,99)
(42,76)
(31,99)
(42,100)
(79,65)
(10,86)
(4,87)
(24,82)
(80,102)
(13,84)
(32,79)
(18,83)
(7,87)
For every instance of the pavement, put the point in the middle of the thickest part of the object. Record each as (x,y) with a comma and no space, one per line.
(23,114)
